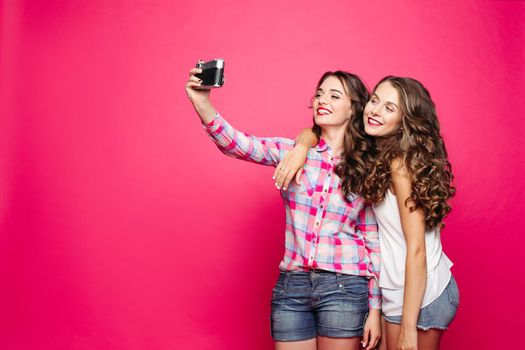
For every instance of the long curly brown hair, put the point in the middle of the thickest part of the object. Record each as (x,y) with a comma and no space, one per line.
(419,145)
(352,166)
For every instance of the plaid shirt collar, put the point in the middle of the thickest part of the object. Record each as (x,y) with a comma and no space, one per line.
(322,145)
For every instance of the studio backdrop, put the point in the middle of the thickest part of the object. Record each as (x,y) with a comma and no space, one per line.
(123,227)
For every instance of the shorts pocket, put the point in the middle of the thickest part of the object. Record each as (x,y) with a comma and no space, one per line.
(453,292)
(355,286)
(280,285)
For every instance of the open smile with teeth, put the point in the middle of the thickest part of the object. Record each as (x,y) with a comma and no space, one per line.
(323,111)
(374,122)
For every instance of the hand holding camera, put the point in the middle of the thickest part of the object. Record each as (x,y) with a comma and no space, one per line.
(203,78)
(212,73)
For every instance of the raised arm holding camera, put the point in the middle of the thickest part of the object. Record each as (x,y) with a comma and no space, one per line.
(328,282)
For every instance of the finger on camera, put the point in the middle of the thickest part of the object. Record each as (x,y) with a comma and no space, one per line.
(195,71)
(193,78)
(192,84)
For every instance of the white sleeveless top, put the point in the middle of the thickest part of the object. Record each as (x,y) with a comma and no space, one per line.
(393,254)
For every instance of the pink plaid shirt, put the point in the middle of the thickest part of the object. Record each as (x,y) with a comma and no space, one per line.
(323,231)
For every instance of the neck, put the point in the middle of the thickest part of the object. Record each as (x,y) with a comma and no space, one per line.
(334,137)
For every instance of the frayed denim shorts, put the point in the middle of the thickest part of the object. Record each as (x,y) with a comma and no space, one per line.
(439,313)
(318,303)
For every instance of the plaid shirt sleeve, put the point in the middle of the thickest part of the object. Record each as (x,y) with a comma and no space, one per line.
(367,225)
(236,144)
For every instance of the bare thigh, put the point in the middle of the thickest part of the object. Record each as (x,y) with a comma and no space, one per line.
(382,341)
(326,343)
(310,344)
(429,340)
(391,335)
(426,340)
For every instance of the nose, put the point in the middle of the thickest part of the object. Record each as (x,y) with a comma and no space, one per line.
(376,109)
(323,99)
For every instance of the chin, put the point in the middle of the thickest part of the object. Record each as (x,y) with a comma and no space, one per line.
(321,122)
(370,132)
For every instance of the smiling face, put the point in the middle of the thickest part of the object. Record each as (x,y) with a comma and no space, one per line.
(382,116)
(332,105)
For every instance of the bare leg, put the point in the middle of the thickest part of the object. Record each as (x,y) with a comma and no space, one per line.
(382,341)
(310,344)
(429,340)
(392,334)
(326,343)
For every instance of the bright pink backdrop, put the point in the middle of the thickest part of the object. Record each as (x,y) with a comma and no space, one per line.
(122,227)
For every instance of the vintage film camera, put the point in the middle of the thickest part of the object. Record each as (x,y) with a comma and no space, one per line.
(212,75)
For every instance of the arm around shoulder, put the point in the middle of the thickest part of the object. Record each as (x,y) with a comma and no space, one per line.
(292,164)
(307,138)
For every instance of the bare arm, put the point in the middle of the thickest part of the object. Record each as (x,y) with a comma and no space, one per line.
(200,99)
(307,138)
(372,329)
(292,163)
(413,224)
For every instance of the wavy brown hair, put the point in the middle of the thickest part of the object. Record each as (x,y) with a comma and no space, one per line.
(420,147)
(355,141)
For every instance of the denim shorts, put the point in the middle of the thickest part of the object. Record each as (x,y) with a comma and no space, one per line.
(318,303)
(439,313)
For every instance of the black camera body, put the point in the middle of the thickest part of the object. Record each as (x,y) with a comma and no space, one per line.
(212,75)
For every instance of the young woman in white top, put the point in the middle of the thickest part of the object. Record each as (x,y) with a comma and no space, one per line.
(405,172)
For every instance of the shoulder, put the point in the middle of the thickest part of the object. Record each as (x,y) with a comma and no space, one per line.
(401,180)
(398,166)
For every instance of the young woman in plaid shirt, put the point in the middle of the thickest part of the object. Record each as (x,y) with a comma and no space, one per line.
(329,273)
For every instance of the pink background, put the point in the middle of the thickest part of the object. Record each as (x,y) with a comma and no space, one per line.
(121,225)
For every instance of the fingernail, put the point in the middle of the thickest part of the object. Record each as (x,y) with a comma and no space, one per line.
(284,188)
(277,187)
(273,177)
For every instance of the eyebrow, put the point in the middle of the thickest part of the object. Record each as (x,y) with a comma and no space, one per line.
(387,102)
(335,90)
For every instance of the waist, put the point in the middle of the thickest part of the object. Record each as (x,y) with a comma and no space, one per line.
(393,272)
(296,266)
